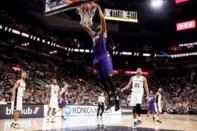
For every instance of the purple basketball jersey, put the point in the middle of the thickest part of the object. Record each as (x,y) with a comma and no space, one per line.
(99,45)
(151,102)
(102,60)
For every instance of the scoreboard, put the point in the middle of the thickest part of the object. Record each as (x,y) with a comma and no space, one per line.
(121,15)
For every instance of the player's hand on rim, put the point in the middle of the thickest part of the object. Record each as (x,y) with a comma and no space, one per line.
(96,5)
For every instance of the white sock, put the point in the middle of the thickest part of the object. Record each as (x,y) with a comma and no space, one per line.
(139,118)
(135,120)
(157,118)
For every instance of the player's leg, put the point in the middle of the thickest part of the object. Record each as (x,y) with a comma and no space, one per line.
(158,114)
(16,118)
(111,84)
(53,114)
(102,109)
(106,70)
(62,113)
(134,117)
(114,93)
(139,98)
(109,70)
(49,113)
(138,111)
(60,110)
(154,115)
(13,108)
(148,113)
(98,110)
(17,112)
(49,109)
(105,85)
(133,105)
(107,88)
(61,105)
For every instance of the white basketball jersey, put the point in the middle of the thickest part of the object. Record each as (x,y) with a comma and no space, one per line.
(159,99)
(21,88)
(54,90)
(138,84)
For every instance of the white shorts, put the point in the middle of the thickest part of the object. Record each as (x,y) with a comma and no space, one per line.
(17,104)
(158,107)
(53,103)
(136,98)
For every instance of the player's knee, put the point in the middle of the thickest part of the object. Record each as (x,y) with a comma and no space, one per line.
(134,110)
(138,108)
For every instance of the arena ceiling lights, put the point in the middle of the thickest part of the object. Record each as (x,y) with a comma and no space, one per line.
(156,3)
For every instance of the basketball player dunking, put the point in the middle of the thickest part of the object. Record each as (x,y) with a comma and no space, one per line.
(53,102)
(102,59)
(138,83)
(158,108)
(63,99)
(17,99)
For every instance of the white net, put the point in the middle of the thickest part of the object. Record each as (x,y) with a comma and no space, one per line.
(86,16)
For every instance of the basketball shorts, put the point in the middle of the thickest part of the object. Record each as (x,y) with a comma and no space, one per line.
(17,104)
(61,103)
(136,98)
(158,107)
(103,66)
(53,103)
(151,107)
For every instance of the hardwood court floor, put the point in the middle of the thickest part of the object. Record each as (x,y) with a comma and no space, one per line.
(108,123)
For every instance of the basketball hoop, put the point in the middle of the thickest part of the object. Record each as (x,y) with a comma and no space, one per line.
(86,15)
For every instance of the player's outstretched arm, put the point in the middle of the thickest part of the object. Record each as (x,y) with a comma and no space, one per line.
(146,87)
(48,89)
(102,21)
(16,85)
(89,30)
(127,86)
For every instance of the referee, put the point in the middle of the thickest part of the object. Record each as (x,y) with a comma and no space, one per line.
(101,105)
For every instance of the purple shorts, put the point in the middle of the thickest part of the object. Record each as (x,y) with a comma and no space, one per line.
(61,104)
(151,108)
(103,65)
